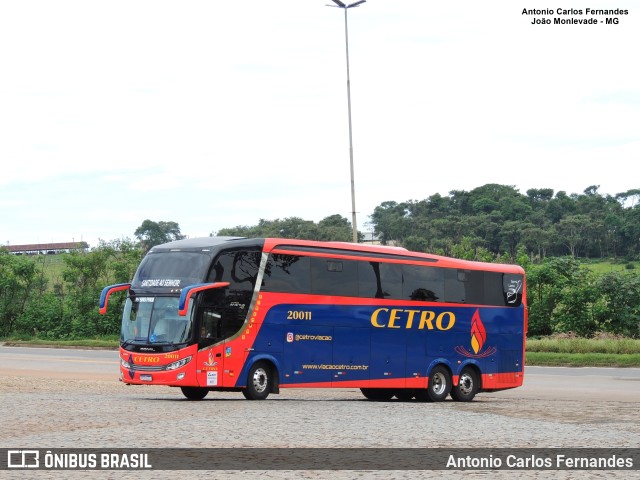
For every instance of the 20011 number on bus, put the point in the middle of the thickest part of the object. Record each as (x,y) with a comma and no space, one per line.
(298,315)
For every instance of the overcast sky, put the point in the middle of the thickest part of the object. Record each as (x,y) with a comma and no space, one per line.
(215,114)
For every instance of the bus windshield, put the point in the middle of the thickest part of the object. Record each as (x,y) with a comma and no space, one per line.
(171,269)
(154,320)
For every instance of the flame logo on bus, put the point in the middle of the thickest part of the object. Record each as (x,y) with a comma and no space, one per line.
(478,339)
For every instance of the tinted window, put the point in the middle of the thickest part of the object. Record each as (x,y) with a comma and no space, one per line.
(221,315)
(287,273)
(238,267)
(380,280)
(334,277)
(454,286)
(224,310)
(339,277)
(473,285)
(491,288)
(423,284)
(369,285)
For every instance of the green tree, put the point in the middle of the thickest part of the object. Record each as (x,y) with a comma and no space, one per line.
(44,317)
(619,310)
(86,274)
(18,284)
(331,228)
(536,240)
(511,233)
(391,222)
(539,197)
(572,232)
(546,285)
(336,228)
(575,312)
(631,232)
(470,248)
(152,233)
(416,243)
(560,206)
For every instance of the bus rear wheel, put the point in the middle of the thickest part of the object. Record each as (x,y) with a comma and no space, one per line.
(378,394)
(259,382)
(194,393)
(467,386)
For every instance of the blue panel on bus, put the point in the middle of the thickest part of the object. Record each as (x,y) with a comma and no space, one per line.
(351,354)
(307,354)
(388,354)
(333,343)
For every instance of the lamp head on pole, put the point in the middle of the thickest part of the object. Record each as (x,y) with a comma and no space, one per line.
(340,4)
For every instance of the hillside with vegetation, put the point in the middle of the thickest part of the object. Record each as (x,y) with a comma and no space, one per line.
(580,253)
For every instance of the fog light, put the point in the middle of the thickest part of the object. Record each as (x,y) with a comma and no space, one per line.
(180,376)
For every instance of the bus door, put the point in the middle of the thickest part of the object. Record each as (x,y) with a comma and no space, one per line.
(210,361)
(220,356)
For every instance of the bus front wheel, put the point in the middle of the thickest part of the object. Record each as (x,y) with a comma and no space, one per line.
(439,386)
(259,382)
(378,394)
(194,393)
(467,386)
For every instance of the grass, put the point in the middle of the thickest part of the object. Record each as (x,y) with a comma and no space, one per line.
(606,266)
(576,345)
(106,342)
(570,351)
(554,359)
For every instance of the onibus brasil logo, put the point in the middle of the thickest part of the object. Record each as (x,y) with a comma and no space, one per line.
(478,339)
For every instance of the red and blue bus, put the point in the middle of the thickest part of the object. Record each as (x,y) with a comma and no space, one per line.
(259,315)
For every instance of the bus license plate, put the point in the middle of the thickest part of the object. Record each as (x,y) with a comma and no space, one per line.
(146,378)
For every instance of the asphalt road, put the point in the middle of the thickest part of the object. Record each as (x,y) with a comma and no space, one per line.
(619,384)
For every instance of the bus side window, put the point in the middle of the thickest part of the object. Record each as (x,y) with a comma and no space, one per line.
(423,284)
(210,326)
(454,287)
(287,273)
(334,277)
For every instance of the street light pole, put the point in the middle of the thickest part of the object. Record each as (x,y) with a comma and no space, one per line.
(346,7)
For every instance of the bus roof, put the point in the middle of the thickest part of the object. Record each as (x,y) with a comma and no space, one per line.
(340,248)
(193,243)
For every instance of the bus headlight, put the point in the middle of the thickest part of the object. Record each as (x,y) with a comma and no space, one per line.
(179,363)
(124,363)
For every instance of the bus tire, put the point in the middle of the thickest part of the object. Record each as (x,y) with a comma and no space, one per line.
(439,385)
(194,393)
(467,386)
(378,394)
(259,382)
